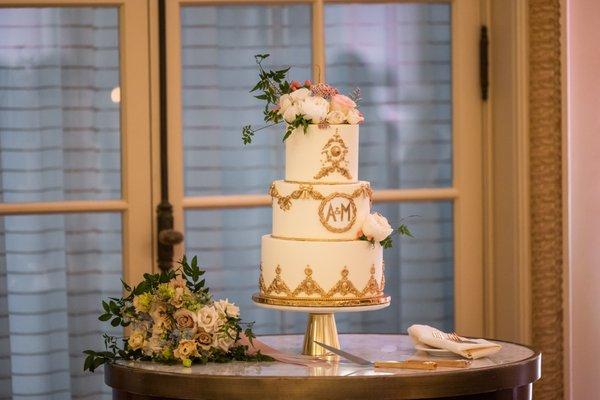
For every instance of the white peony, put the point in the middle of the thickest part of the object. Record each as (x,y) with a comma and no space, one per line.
(284,103)
(208,319)
(314,109)
(224,307)
(336,117)
(354,117)
(299,94)
(290,113)
(376,227)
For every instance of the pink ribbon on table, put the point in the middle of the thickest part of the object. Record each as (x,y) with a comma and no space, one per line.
(280,356)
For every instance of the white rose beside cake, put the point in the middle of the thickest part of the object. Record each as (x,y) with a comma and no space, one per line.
(326,247)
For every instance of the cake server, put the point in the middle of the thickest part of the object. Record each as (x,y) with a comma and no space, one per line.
(404,364)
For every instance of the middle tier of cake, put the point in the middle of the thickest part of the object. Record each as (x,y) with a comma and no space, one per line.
(319,212)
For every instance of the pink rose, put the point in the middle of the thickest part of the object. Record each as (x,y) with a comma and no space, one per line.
(295,85)
(342,103)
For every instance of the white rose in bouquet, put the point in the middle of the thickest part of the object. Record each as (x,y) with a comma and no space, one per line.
(336,117)
(208,319)
(136,340)
(290,113)
(284,103)
(314,109)
(299,94)
(354,117)
(223,341)
(224,307)
(376,227)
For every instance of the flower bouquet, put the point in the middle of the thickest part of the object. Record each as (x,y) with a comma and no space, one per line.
(172,318)
(300,104)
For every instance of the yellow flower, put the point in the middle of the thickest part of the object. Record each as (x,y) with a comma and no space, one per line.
(137,340)
(165,291)
(167,353)
(187,349)
(143,302)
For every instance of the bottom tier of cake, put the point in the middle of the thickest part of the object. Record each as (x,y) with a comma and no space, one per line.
(320,273)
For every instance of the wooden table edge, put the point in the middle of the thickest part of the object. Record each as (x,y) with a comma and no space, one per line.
(418,386)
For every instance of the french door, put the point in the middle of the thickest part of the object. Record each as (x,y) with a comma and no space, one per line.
(75,170)
(421,145)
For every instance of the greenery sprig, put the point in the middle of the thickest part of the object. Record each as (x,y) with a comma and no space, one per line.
(387,243)
(272,84)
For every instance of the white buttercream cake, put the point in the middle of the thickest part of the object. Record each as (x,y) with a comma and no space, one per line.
(313,256)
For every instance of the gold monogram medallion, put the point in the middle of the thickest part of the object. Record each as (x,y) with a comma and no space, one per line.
(337,212)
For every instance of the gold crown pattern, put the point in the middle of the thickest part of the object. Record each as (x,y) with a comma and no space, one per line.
(334,158)
(309,287)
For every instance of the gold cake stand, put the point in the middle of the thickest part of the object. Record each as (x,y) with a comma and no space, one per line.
(321,326)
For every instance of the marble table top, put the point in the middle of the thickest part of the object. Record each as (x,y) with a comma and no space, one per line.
(372,347)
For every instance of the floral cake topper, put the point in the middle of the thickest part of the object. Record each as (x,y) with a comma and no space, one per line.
(300,104)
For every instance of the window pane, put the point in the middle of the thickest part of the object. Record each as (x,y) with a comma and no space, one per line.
(419,271)
(59,111)
(54,270)
(399,56)
(218,48)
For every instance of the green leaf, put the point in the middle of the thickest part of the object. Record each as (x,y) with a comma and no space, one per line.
(387,242)
(260,57)
(104,317)
(256,87)
(114,308)
(97,362)
(88,363)
(125,285)
(116,322)
(403,230)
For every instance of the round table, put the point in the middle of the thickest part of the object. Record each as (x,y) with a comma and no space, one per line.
(508,374)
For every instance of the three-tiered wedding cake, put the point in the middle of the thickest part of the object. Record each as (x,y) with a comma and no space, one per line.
(314,257)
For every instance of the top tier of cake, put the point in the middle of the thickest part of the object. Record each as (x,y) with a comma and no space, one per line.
(322,155)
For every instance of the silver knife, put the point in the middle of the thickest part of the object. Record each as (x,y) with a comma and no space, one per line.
(406,364)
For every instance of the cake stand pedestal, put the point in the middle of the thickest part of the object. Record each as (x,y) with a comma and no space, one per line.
(321,326)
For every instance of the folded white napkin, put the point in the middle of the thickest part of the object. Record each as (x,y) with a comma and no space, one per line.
(424,334)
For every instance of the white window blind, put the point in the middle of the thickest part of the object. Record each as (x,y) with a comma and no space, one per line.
(59,140)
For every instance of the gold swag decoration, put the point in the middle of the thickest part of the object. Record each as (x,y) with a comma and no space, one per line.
(309,287)
(306,192)
(334,153)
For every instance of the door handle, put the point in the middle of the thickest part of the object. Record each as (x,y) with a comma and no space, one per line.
(170,237)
